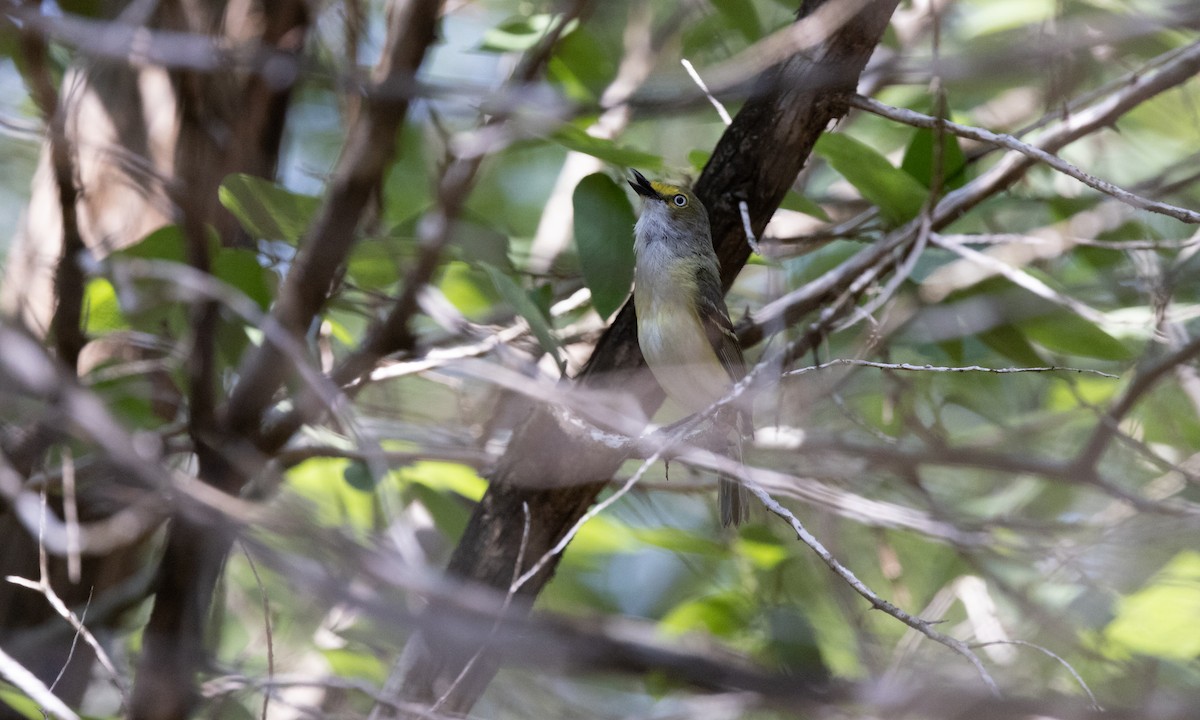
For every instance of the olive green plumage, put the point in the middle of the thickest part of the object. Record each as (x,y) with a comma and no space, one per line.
(683,325)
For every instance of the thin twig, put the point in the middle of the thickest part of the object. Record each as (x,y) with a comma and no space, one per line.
(266,607)
(1004,140)
(1078,678)
(877,602)
(945,368)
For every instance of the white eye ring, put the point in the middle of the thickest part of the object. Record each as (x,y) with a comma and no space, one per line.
(680,200)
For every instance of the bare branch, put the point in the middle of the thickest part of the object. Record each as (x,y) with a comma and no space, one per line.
(1004,140)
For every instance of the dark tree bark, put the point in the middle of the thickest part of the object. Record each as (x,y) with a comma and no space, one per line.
(555,472)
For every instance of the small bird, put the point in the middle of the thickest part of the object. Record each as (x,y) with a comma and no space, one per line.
(683,325)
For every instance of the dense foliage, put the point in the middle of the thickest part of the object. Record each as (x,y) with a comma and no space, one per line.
(995,430)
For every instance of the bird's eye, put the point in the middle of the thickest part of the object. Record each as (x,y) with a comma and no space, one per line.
(680,200)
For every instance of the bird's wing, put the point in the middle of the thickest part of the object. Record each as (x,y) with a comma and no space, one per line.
(714,317)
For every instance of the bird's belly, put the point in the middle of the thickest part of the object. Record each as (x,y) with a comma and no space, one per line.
(682,359)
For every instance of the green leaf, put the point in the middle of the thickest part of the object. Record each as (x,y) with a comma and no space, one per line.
(528,309)
(1160,619)
(266,210)
(742,15)
(898,195)
(1012,344)
(918,160)
(519,34)
(359,477)
(101,311)
(241,269)
(604,236)
(795,201)
(347,663)
(575,139)
(19,702)
(373,265)
(582,65)
(165,243)
(470,290)
(337,504)
(720,614)
(1067,333)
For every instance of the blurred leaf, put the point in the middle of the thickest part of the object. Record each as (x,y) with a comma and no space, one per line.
(241,269)
(373,264)
(265,210)
(575,139)
(468,289)
(698,159)
(101,312)
(518,34)
(602,535)
(165,243)
(898,195)
(1067,333)
(582,65)
(1161,618)
(604,236)
(444,476)
(795,201)
(1012,344)
(529,310)
(721,614)
(762,548)
(792,642)
(741,15)
(321,481)
(358,476)
(360,664)
(919,161)
(20,702)
(681,541)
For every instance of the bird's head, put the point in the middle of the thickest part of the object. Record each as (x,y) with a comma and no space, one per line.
(670,209)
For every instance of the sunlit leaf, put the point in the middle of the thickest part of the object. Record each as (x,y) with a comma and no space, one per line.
(720,614)
(1161,618)
(518,34)
(101,311)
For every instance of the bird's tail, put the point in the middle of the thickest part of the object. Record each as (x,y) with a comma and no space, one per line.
(731,501)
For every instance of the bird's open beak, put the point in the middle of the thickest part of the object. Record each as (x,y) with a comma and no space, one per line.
(642,186)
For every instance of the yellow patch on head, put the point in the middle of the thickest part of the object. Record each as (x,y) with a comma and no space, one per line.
(665,189)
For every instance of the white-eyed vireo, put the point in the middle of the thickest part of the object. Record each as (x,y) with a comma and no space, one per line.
(683,325)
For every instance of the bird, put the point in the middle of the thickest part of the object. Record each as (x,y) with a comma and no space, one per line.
(683,325)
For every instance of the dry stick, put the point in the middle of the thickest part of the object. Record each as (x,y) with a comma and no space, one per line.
(946,368)
(43,586)
(1078,678)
